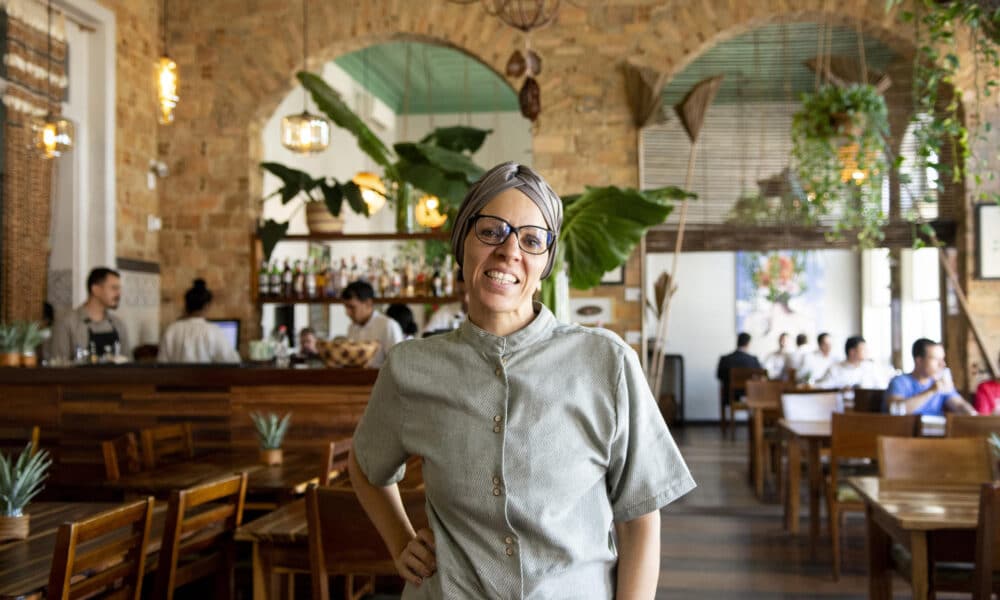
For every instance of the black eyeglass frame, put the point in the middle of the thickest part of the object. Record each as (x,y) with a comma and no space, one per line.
(550,236)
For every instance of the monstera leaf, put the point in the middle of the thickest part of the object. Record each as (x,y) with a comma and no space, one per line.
(329,101)
(295,181)
(270,233)
(602,226)
(457,138)
(447,161)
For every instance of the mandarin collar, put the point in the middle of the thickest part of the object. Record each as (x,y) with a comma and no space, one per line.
(484,341)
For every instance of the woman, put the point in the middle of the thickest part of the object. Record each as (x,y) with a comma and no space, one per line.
(402,314)
(536,436)
(192,339)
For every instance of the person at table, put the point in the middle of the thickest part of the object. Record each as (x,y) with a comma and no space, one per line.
(92,327)
(797,361)
(537,437)
(818,363)
(402,314)
(777,361)
(988,397)
(738,358)
(368,324)
(192,339)
(307,346)
(928,390)
(856,371)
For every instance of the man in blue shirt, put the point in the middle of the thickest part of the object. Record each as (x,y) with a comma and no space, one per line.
(928,390)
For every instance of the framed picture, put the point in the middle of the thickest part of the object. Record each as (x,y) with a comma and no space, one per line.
(988,241)
(591,311)
(614,277)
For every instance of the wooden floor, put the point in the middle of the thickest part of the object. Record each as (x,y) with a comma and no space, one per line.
(719,541)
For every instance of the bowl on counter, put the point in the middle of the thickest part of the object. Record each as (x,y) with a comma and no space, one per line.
(346,353)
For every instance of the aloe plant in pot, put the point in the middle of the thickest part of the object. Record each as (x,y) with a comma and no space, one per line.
(271,432)
(30,338)
(20,480)
(10,347)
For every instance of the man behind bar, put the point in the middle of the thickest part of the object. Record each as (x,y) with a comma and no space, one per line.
(91,327)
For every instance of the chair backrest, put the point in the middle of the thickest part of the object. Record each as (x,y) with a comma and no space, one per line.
(869,400)
(987,541)
(953,460)
(764,394)
(972,425)
(855,435)
(808,407)
(343,540)
(103,552)
(13,438)
(200,522)
(121,455)
(335,465)
(166,442)
(739,376)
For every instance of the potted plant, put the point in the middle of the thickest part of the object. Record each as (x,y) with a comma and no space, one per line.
(271,431)
(30,338)
(20,480)
(839,149)
(10,347)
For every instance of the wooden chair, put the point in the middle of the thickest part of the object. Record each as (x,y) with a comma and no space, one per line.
(738,377)
(868,400)
(343,541)
(984,581)
(121,453)
(198,536)
(335,465)
(972,425)
(14,437)
(810,406)
(105,553)
(855,436)
(764,402)
(166,442)
(951,460)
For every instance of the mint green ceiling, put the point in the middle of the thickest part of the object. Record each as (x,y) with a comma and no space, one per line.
(442,79)
(767,64)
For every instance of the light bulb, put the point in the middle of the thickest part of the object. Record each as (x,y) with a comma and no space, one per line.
(168,84)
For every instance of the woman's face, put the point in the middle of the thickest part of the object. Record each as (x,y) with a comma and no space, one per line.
(502,279)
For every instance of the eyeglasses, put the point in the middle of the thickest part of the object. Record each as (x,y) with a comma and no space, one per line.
(494,231)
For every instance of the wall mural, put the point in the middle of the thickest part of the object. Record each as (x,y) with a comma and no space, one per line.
(779,291)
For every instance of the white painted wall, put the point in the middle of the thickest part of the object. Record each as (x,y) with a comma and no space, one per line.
(703,316)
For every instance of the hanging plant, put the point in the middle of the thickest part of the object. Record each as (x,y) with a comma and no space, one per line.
(838,147)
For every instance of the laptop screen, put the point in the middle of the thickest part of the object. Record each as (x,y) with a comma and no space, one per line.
(231,327)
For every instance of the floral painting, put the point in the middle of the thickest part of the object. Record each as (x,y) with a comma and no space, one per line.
(779,291)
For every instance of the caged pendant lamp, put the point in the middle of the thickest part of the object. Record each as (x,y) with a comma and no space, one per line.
(53,135)
(167,80)
(305,133)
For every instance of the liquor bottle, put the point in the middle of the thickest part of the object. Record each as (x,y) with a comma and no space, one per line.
(299,281)
(320,275)
(275,280)
(354,275)
(437,284)
(330,288)
(449,277)
(263,280)
(310,280)
(342,277)
(287,279)
(396,279)
(409,279)
(384,280)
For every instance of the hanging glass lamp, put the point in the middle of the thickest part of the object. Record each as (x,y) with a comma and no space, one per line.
(167,88)
(53,135)
(372,190)
(305,132)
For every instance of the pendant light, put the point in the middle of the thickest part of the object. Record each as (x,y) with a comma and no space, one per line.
(305,133)
(372,187)
(167,80)
(53,134)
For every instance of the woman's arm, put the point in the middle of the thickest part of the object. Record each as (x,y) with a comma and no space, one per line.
(412,551)
(638,557)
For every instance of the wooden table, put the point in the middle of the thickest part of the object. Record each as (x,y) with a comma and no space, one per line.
(25,564)
(934,521)
(280,543)
(815,434)
(276,485)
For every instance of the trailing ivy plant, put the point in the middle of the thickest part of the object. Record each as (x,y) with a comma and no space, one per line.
(839,151)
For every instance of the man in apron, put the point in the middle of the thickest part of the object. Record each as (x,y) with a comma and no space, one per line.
(91,332)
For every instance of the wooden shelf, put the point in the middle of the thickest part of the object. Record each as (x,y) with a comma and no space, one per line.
(359,237)
(397,300)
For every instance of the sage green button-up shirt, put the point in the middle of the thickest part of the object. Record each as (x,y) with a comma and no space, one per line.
(533,445)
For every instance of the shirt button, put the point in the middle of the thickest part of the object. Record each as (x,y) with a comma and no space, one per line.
(496,491)
(497,418)
(508,540)
(496,481)
(496,429)
(510,552)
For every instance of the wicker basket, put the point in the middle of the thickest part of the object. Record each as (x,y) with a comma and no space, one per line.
(14,528)
(344,353)
(319,219)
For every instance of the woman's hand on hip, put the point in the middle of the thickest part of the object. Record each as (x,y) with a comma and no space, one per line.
(418,561)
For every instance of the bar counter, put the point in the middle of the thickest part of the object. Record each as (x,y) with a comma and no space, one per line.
(78,407)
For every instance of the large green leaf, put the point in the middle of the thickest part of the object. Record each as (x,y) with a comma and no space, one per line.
(270,233)
(333,196)
(329,101)
(446,160)
(451,189)
(295,181)
(457,138)
(354,198)
(602,226)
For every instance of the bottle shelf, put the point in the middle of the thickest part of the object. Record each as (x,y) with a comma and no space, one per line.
(359,237)
(395,300)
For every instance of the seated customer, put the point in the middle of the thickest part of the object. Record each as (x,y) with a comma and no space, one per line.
(307,346)
(402,314)
(368,324)
(738,358)
(778,361)
(988,397)
(928,390)
(855,372)
(192,339)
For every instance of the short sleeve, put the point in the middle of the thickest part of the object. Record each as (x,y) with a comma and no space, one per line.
(378,439)
(898,387)
(646,470)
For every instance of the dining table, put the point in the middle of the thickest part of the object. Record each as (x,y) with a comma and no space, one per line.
(25,564)
(279,545)
(935,521)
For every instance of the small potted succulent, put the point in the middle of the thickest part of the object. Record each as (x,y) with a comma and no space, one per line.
(30,338)
(20,480)
(271,431)
(10,346)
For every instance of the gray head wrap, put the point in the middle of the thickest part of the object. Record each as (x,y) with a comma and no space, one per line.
(498,179)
